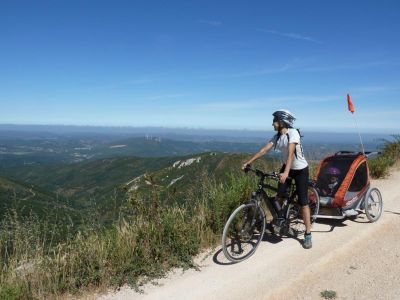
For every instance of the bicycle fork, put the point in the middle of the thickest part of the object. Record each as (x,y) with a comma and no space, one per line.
(246,231)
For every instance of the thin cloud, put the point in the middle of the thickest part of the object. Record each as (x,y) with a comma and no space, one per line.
(213,23)
(383,114)
(261,72)
(291,35)
(234,105)
(139,81)
(262,102)
(290,65)
(375,89)
(349,66)
(165,96)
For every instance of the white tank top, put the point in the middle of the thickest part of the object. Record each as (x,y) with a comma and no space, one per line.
(281,143)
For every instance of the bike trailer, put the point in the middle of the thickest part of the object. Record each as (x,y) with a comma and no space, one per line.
(344,187)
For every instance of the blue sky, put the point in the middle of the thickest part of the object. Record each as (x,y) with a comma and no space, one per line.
(200,64)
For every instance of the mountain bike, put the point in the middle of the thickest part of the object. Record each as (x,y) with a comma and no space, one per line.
(246,226)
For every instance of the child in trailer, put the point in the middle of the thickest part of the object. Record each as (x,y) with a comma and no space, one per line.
(328,191)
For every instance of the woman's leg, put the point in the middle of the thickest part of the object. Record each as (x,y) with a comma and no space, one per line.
(301,179)
(305,212)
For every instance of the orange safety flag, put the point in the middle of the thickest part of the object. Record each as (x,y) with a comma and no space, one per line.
(350,104)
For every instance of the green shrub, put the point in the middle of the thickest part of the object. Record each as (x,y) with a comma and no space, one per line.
(328,294)
(379,166)
(18,291)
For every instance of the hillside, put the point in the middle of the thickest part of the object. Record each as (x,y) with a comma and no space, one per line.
(26,198)
(186,174)
(44,149)
(157,147)
(101,184)
(90,184)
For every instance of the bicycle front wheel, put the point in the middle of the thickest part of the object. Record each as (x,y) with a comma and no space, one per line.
(243,232)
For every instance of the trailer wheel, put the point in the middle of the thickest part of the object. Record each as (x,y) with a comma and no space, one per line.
(373,204)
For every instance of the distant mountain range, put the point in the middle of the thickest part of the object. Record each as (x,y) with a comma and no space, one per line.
(26,148)
(185,134)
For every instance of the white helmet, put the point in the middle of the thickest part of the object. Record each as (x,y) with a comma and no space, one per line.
(285,117)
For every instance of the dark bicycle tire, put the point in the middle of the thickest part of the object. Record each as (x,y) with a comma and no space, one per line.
(294,221)
(313,202)
(245,228)
(294,211)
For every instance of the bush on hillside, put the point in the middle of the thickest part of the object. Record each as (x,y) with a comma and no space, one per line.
(379,166)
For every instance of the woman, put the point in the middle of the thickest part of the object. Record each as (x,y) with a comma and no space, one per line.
(287,140)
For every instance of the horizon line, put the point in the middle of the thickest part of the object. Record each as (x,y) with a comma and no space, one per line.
(199,128)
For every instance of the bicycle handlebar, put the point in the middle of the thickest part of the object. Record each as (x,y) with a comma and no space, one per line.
(259,173)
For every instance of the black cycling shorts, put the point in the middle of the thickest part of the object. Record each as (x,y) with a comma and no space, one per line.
(301,179)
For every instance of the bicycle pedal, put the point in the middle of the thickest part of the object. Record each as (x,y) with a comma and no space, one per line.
(276,229)
(291,232)
(278,222)
(269,228)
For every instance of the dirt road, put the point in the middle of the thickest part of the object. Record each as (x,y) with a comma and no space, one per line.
(356,259)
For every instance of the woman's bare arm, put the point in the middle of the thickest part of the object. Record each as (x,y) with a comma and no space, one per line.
(259,154)
(289,161)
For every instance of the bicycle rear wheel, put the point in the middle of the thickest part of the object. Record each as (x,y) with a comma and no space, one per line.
(243,232)
(294,210)
(294,224)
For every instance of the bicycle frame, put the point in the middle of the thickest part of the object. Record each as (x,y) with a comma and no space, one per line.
(270,201)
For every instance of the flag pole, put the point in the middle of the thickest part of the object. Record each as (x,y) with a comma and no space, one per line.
(352,110)
(359,134)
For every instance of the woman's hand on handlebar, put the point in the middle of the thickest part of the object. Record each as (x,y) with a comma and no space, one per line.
(246,167)
(283,177)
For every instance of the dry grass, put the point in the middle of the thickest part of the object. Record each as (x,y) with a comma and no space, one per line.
(148,239)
